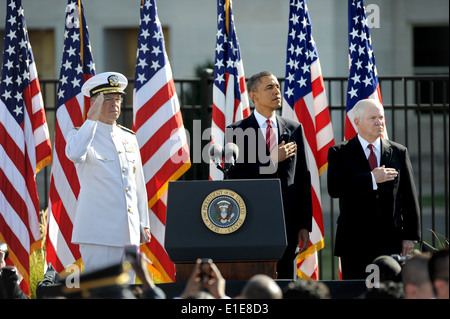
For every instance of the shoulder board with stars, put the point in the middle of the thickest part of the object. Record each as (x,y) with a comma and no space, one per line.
(126,129)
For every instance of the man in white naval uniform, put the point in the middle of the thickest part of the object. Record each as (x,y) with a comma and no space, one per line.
(112,203)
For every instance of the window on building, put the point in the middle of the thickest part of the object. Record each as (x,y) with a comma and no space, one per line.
(43,45)
(431,57)
(123,58)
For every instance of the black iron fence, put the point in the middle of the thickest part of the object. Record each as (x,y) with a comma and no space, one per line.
(417,115)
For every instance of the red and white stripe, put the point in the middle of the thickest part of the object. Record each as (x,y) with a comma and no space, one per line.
(24,150)
(161,136)
(312,112)
(64,188)
(227,109)
(71,112)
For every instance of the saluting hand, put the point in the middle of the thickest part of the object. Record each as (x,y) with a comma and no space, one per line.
(96,106)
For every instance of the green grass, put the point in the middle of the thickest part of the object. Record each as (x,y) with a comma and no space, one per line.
(37,261)
(439,200)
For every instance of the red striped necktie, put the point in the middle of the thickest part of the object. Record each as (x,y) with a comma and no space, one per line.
(271,138)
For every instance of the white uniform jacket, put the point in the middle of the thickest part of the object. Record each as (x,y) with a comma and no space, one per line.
(112,204)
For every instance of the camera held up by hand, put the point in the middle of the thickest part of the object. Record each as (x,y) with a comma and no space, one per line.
(400,259)
(4,248)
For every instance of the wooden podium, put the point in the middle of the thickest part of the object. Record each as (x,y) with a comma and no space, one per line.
(194,229)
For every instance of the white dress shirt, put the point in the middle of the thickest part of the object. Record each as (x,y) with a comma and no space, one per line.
(263,124)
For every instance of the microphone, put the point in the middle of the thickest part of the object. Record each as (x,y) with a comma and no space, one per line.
(231,155)
(216,153)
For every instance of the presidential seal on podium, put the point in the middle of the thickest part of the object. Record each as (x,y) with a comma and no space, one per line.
(223,211)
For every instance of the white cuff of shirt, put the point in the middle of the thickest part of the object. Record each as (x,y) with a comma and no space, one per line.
(374,182)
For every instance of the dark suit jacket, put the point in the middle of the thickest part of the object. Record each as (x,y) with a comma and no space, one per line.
(372,220)
(293,173)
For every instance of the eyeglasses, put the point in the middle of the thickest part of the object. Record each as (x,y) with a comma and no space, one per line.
(110,99)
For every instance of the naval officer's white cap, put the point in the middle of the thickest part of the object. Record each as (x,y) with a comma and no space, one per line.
(106,83)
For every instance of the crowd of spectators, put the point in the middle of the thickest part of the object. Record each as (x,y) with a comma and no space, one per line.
(421,275)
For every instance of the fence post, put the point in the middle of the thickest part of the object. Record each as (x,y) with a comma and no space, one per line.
(205,96)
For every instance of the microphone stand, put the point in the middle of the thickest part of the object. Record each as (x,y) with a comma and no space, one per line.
(225,170)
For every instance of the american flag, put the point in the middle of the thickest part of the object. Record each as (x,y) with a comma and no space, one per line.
(305,101)
(363,78)
(76,67)
(25,146)
(160,132)
(230,98)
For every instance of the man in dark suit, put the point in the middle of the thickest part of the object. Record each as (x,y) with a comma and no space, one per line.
(284,158)
(379,211)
